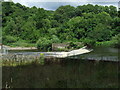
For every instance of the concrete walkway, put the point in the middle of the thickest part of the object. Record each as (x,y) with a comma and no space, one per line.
(19,48)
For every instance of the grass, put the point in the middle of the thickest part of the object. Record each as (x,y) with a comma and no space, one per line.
(22,44)
(23,60)
(105,43)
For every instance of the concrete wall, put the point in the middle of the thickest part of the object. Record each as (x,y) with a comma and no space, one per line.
(56,46)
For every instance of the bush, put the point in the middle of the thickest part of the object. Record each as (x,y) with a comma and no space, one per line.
(9,39)
(72,44)
(89,42)
(105,43)
(55,39)
(75,45)
(116,41)
(22,43)
(44,44)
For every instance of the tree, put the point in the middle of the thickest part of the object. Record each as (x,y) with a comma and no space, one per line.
(113,11)
(116,41)
(116,25)
(28,30)
(7,8)
(67,23)
(52,31)
(104,18)
(100,33)
(55,39)
(43,44)
(63,13)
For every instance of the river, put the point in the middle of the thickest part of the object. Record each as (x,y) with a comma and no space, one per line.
(68,73)
(98,53)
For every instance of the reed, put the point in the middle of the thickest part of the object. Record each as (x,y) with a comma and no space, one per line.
(15,60)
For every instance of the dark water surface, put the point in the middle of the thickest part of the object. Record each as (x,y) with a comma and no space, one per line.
(67,73)
(101,53)
(64,74)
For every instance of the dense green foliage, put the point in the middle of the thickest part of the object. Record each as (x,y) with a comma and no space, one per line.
(90,24)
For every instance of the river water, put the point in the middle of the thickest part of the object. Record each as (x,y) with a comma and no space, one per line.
(68,73)
(101,53)
(98,53)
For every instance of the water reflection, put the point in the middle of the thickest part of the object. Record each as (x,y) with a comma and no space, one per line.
(67,73)
(101,53)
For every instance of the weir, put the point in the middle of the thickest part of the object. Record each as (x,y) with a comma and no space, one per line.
(72,53)
(27,56)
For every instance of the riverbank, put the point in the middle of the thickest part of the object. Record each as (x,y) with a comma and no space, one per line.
(25,58)
(19,48)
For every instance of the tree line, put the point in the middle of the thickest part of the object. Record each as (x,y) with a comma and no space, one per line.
(90,24)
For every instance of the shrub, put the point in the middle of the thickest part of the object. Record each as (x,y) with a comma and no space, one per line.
(75,45)
(72,44)
(89,42)
(105,43)
(9,39)
(21,43)
(44,44)
(116,40)
(62,49)
(55,39)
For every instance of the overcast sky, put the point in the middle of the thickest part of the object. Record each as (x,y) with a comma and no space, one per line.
(54,4)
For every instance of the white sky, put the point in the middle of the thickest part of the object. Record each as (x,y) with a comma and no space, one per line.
(54,4)
(64,0)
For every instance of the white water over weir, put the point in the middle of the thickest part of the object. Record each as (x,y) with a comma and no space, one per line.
(71,53)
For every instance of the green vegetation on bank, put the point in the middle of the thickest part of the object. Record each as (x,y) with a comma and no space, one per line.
(22,60)
(92,25)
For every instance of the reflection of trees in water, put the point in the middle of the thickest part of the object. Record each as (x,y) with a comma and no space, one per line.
(69,73)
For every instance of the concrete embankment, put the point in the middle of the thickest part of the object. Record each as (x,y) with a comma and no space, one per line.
(17,48)
(22,48)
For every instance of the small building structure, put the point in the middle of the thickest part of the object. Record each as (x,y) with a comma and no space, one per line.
(66,46)
(57,46)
